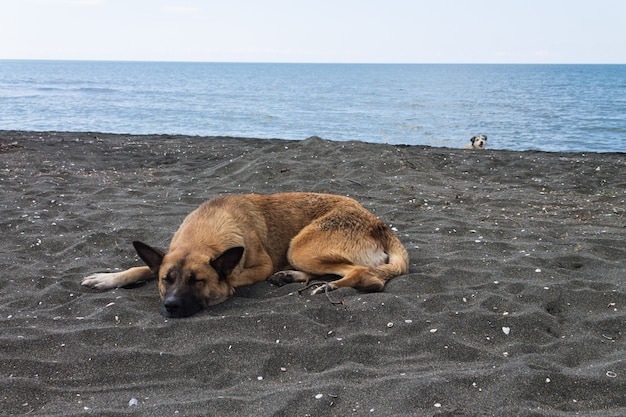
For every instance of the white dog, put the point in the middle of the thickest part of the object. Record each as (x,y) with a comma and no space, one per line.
(477,142)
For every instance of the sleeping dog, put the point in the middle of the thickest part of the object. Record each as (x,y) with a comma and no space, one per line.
(237,240)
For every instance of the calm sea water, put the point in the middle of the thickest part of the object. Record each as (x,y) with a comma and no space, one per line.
(519,107)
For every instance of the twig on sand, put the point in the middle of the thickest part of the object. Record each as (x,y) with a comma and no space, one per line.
(514,221)
(327,289)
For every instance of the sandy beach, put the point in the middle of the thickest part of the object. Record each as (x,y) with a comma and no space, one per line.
(515,304)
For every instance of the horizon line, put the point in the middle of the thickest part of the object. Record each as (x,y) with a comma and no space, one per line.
(304,62)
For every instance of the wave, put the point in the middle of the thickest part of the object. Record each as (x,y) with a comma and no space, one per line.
(78,89)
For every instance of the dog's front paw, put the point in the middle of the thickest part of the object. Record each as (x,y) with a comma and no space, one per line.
(281,278)
(101,281)
(287,277)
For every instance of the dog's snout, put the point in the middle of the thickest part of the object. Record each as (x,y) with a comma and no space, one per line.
(171,305)
(178,305)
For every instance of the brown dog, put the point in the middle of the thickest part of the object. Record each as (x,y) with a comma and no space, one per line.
(237,240)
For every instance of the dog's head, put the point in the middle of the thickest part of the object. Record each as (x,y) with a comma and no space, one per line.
(479,142)
(188,281)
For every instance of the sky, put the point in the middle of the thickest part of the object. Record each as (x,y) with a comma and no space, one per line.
(350,31)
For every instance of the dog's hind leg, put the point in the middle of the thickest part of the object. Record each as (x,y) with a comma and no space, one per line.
(358,248)
(363,278)
(318,261)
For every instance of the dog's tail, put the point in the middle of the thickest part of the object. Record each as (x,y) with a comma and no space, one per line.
(398,263)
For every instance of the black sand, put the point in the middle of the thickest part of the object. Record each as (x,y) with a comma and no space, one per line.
(515,304)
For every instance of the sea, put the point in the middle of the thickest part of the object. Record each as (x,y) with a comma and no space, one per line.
(555,108)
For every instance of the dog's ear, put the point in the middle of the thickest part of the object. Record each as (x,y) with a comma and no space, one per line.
(227,261)
(485,136)
(473,139)
(152,257)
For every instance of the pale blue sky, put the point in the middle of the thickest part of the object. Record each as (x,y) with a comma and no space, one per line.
(388,31)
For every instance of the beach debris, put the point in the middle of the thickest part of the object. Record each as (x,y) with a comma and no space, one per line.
(133,401)
(5,147)
(259,378)
(318,396)
(437,405)
(506,330)
(390,324)
(611,374)
(318,285)
(408,321)
(433,330)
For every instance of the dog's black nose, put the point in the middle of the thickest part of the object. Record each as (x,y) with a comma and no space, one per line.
(171,307)
(176,306)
